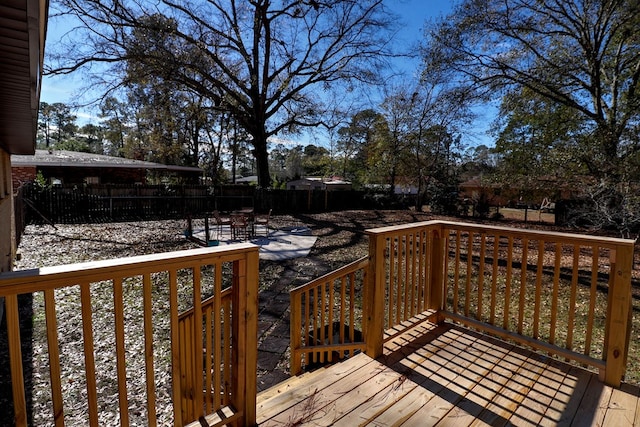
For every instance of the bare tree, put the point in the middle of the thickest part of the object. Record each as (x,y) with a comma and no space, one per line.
(271,64)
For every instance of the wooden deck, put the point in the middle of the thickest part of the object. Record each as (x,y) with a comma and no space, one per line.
(448,375)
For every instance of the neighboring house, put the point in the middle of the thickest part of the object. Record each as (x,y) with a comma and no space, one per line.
(476,187)
(514,195)
(406,186)
(72,167)
(406,189)
(251,179)
(319,183)
(22,37)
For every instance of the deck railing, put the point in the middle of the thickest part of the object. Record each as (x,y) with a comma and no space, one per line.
(145,337)
(564,294)
(326,317)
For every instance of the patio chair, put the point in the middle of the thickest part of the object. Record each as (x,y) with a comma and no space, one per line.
(220,221)
(261,220)
(239,226)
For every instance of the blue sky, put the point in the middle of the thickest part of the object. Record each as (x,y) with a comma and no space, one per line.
(413,14)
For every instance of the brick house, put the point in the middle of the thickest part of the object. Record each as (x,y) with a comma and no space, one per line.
(71,167)
(22,39)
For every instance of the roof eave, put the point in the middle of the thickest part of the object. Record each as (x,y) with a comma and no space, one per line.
(22,40)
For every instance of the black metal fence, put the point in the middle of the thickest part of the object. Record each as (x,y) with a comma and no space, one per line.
(19,217)
(102,203)
(109,203)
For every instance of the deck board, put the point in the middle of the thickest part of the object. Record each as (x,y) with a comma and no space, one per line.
(448,375)
(622,407)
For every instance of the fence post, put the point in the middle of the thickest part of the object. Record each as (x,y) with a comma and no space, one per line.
(618,321)
(374,297)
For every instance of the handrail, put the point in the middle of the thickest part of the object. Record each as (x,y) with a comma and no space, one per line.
(140,332)
(326,311)
(494,278)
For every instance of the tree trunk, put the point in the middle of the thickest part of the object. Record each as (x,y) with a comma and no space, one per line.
(262,160)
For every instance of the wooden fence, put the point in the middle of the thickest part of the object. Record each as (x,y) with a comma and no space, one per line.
(107,203)
(20,220)
(100,203)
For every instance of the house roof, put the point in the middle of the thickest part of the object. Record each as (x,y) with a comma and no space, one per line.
(22,36)
(63,158)
(320,180)
(250,178)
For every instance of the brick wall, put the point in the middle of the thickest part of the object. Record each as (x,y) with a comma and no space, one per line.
(21,174)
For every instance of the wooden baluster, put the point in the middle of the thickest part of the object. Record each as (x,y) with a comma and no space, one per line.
(469,273)
(538,291)
(483,247)
(523,283)
(593,292)
(507,285)
(494,278)
(437,274)
(89,359)
(572,298)
(54,357)
(456,274)
(554,294)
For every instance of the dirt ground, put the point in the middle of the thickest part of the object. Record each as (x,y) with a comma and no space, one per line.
(528,216)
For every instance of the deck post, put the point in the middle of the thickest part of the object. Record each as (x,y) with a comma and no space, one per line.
(295,320)
(15,357)
(245,337)
(436,294)
(374,297)
(618,321)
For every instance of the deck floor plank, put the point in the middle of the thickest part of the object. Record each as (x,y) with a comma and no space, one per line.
(534,409)
(549,384)
(431,371)
(448,375)
(454,380)
(321,396)
(413,362)
(484,392)
(521,371)
(305,392)
(572,390)
(344,404)
(380,402)
(594,404)
(622,407)
(478,390)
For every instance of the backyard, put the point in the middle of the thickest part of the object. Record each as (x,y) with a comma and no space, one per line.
(341,239)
